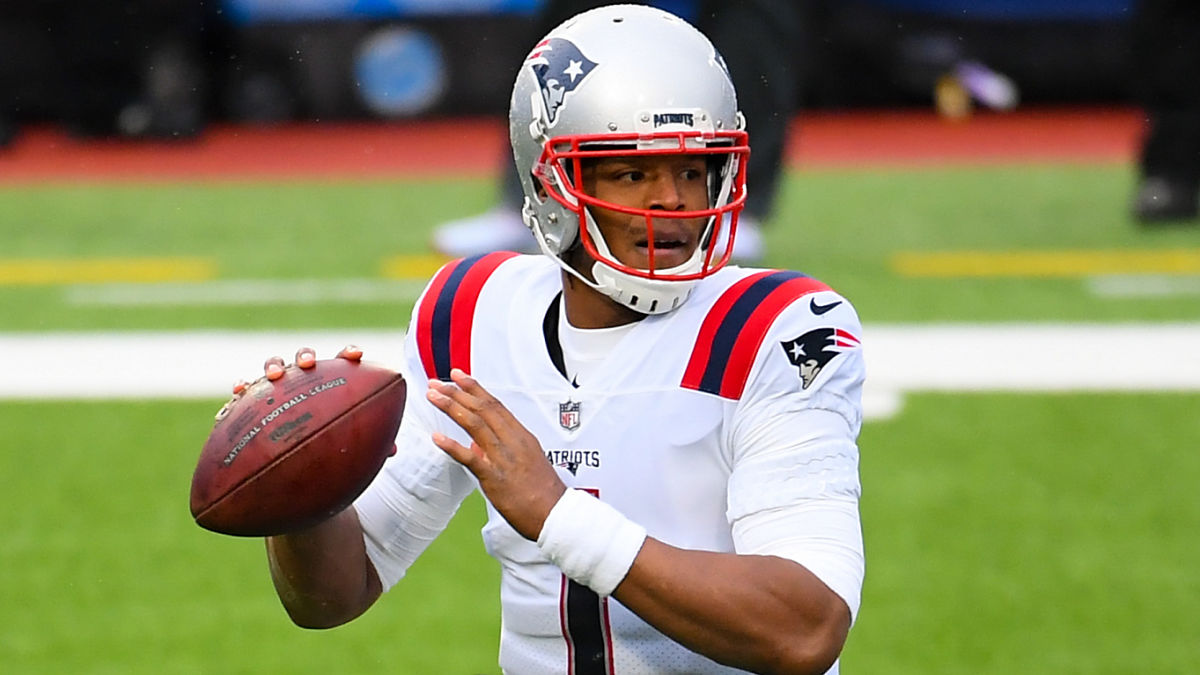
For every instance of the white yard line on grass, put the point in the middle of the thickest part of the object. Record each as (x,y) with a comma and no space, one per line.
(162,364)
(900,358)
(245,292)
(1143,286)
(248,292)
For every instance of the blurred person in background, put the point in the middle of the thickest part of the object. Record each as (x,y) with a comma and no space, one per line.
(135,69)
(760,41)
(1166,43)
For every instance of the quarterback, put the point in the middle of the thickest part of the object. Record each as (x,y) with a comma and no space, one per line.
(667,444)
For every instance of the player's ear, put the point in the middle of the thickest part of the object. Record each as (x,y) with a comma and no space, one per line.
(539,188)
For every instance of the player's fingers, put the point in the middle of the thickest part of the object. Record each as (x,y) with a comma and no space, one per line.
(306,357)
(273,368)
(468,383)
(450,400)
(351,353)
(457,405)
(240,387)
(505,431)
(472,457)
(479,401)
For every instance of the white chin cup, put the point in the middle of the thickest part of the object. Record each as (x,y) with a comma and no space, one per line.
(648,296)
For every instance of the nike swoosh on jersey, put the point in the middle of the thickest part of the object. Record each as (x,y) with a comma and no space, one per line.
(821,309)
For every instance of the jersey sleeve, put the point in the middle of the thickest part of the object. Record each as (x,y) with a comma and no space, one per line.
(419,489)
(794,488)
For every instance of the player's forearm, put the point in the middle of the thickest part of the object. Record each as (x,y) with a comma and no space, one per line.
(323,575)
(759,613)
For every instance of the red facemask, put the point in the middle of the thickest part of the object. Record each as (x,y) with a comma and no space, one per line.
(560,167)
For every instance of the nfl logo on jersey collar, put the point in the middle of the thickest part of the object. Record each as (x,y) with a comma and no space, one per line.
(568,415)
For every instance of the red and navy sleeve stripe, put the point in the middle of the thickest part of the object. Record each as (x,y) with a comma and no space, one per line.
(736,326)
(447,312)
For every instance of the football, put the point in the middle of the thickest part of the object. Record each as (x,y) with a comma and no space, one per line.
(291,452)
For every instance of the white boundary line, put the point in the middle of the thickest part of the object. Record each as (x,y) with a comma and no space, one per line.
(900,358)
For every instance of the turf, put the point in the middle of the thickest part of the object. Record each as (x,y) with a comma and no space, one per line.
(842,226)
(1005,533)
(1035,534)
(106,573)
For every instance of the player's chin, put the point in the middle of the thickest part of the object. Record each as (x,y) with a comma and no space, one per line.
(665,257)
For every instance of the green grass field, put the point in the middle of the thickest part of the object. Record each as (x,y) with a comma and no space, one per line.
(1005,532)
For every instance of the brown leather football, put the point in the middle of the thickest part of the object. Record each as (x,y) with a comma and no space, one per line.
(292,452)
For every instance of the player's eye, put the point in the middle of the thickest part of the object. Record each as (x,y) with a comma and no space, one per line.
(631,176)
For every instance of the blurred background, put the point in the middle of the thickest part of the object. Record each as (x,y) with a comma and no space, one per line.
(166,68)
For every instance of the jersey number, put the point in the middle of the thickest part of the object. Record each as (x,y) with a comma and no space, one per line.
(584,617)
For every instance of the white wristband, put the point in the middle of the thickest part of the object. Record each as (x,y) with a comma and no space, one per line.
(590,541)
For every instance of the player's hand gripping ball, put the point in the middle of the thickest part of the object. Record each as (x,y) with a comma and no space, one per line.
(298,445)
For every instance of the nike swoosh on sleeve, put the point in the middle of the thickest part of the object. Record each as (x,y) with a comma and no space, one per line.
(821,309)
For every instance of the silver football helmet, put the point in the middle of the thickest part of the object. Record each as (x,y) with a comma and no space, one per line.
(618,81)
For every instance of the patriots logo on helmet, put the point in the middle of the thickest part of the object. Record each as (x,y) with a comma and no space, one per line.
(815,349)
(559,67)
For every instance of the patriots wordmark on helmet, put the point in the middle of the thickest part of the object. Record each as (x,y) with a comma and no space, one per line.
(560,67)
(686,119)
(815,349)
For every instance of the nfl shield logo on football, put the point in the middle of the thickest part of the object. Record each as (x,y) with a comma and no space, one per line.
(568,415)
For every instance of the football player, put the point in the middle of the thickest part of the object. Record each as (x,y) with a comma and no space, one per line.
(667,444)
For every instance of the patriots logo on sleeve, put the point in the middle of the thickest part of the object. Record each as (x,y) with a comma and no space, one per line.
(815,349)
(559,67)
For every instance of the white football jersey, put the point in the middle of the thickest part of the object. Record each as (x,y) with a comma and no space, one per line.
(729,424)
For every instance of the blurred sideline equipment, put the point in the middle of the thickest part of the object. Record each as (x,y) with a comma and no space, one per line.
(1166,40)
(144,70)
(291,452)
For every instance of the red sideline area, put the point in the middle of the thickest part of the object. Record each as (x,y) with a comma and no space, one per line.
(455,147)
